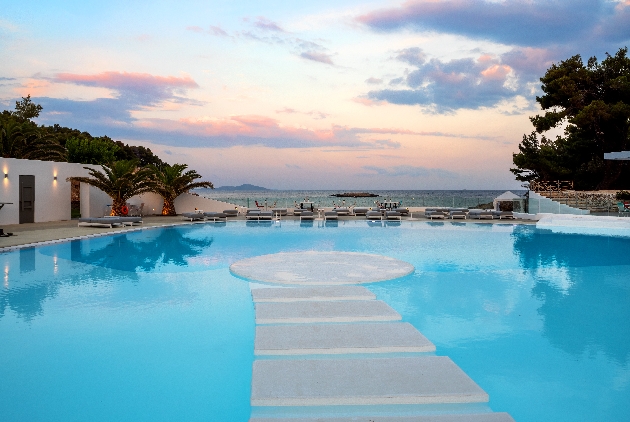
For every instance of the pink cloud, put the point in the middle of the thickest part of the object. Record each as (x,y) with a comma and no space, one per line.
(267,25)
(368,102)
(124,80)
(218,31)
(497,72)
(135,89)
(317,57)
(197,29)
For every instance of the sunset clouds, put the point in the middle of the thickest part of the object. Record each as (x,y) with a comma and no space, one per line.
(409,94)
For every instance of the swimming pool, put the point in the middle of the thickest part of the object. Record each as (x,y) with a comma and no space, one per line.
(151,325)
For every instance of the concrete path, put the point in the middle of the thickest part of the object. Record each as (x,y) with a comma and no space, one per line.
(324,311)
(339,346)
(312,293)
(477,417)
(362,381)
(336,339)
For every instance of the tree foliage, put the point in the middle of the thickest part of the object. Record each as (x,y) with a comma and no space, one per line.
(120,180)
(91,151)
(592,103)
(21,138)
(172,181)
(27,109)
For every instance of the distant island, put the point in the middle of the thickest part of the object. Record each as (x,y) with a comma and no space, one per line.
(354,195)
(245,187)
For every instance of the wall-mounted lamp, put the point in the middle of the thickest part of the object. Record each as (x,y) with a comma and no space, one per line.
(55,178)
(6,175)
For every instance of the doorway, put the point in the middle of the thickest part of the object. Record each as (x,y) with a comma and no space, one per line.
(27,199)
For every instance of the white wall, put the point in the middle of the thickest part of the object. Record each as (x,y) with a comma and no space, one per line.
(52,197)
(541,204)
(94,202)
(188,202)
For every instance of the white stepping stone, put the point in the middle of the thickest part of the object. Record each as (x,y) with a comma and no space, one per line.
(296,294)
(321,268)
(366,381)
(477,417)
(340,339)
(320,311)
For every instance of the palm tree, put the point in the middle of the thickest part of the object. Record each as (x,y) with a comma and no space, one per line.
(120,180)
(25,140)
(171,181)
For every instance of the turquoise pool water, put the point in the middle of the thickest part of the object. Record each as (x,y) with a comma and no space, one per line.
(151,325)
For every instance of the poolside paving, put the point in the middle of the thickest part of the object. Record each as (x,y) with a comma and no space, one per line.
(298,294)
(362,381)
(324,311)
(469,417)
(331,339)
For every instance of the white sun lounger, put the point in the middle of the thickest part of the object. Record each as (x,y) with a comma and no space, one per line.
(307,215)
(479,214)
(373,215)
(458,214)
(192,216)
(130,221)
(503,214)
(215,216)
(330,215)
(101,221)
(393,215)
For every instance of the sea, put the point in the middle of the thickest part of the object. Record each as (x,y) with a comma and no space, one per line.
(325,198)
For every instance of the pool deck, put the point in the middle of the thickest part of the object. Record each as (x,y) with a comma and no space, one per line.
(54,231)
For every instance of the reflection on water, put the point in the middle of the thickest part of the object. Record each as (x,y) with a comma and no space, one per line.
(126,252)
(119,257)
(582,283)
(27,260)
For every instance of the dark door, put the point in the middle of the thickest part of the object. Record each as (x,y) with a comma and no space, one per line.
(27,199)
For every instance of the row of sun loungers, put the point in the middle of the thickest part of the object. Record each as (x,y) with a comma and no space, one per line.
(464,213)
(109,221)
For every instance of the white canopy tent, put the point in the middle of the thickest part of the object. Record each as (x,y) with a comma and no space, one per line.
(509,197)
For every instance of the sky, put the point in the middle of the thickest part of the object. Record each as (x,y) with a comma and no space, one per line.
(419,94)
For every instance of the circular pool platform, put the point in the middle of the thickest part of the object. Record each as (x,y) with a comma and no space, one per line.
(320,268)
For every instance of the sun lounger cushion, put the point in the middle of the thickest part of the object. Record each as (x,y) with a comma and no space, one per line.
(230,213)
(265,215)
(215,215)
(330,215)
(100,221)
(372,215)
(458,214)
(360,211)
(307,215)
(130,221)
(503,214)
(392,215)
(479,214)
(192,216)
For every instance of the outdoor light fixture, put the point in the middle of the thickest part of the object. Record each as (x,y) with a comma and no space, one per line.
(55,178)
(6,175)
